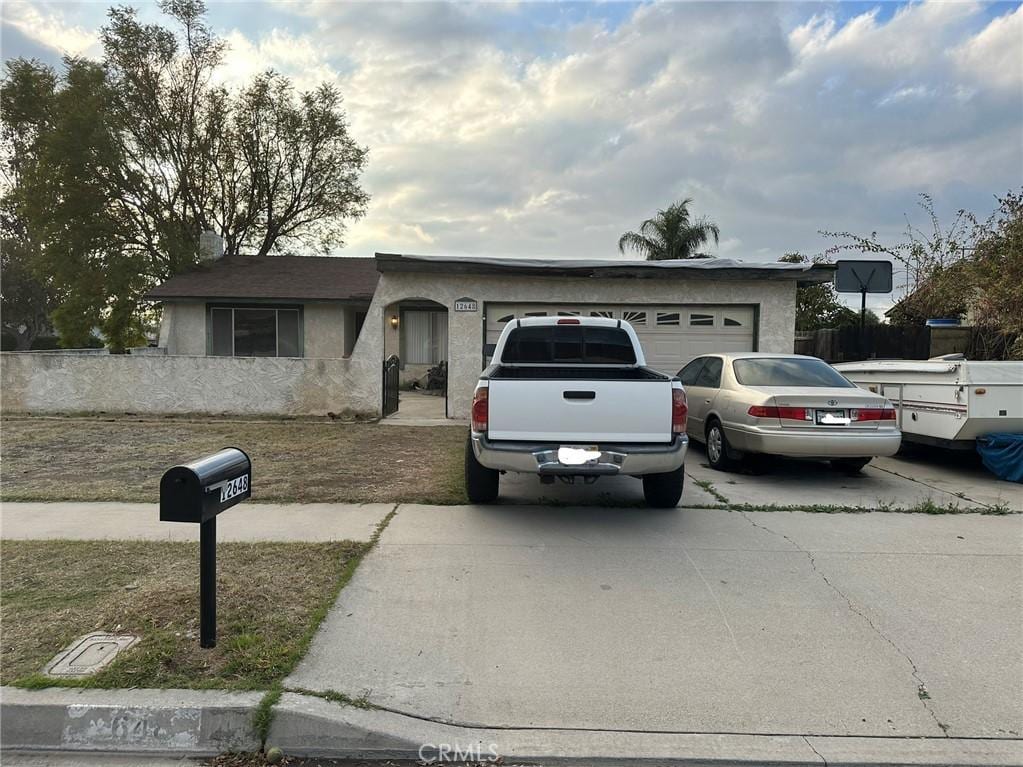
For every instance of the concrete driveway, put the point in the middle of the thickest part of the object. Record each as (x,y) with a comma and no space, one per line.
(686,621)
(901,482)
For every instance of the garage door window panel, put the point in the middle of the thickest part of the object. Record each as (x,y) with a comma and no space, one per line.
(700,320)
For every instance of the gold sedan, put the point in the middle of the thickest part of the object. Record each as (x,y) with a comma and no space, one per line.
(784,404)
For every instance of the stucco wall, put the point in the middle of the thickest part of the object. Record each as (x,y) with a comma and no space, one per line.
(62,382)
(324,334)
(776,301)
(183,328)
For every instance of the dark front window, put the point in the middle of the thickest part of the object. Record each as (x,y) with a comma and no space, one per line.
(255,331)
(788,371)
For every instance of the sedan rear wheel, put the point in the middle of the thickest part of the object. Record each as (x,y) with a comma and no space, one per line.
(717,447)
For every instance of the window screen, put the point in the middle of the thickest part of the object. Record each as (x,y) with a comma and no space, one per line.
(222,332)
(254,332)
(569,344)
(287,333)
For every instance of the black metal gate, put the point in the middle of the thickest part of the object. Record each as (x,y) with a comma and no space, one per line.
(390,404)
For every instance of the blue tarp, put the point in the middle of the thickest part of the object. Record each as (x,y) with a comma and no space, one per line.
(1003,455)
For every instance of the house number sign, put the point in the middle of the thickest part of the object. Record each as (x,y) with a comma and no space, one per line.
(466,305)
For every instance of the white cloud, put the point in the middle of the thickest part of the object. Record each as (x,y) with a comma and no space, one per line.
(493,133)
(48,27)
(995,56)
(296,56)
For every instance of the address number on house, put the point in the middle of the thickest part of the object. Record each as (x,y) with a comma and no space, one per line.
(466,305)
(235,487)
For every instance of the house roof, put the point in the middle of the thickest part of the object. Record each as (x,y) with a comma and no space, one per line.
(293,278)
(340,278)
(689,269)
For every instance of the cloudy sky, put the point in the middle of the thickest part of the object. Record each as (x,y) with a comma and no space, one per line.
(548,129)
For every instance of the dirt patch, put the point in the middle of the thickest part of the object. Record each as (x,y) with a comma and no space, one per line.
(122,459)
(271,596)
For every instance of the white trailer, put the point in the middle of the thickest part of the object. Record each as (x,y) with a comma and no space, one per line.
(946,402)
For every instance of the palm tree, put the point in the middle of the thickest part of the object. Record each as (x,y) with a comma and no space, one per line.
(671,234)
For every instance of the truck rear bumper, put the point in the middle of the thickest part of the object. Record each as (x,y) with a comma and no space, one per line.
(542,458)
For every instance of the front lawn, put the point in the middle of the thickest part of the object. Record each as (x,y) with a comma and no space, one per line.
(122,459)
(271,598)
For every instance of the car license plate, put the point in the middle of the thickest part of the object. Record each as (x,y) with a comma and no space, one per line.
(578,455)
(832,418)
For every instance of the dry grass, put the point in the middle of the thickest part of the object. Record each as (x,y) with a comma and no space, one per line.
(122,459)
(271,597)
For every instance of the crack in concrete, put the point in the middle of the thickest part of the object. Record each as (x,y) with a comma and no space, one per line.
(956,498)
(921,688)
(806,740)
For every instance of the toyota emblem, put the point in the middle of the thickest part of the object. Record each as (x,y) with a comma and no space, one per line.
(832,402)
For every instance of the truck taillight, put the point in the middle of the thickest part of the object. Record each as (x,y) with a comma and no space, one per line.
(480,409)
(679,411)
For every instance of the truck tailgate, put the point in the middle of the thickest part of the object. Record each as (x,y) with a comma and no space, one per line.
(580,411)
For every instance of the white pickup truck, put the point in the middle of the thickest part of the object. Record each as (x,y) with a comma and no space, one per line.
(571,398)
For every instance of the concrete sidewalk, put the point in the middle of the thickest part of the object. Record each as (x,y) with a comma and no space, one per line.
(77,520)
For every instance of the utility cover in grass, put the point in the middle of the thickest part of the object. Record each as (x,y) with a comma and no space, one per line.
(88,654)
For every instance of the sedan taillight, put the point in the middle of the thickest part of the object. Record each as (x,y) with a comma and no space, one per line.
(790,413)
(480,409)
(873,414)
(679,411)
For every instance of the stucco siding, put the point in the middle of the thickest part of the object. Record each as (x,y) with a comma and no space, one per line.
(183,328)
(324,334)
(775,303)
(63,382)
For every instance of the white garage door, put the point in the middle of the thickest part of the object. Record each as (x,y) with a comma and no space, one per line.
(671,335)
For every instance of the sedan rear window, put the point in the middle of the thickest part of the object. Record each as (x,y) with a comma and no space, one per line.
(782,371)
(568,344)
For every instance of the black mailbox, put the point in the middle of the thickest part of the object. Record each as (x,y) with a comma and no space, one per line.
(198,491)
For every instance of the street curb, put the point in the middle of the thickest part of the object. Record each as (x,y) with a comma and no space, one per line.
(179,722)
(310,726)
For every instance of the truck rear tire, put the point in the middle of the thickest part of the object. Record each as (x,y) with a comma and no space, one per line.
(481,484)
(663,491)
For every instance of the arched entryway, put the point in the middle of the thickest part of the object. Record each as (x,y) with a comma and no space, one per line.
(415,360)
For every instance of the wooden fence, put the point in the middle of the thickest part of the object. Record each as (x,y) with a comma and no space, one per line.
(913,343)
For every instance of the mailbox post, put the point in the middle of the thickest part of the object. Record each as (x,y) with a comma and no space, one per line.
(197,492)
